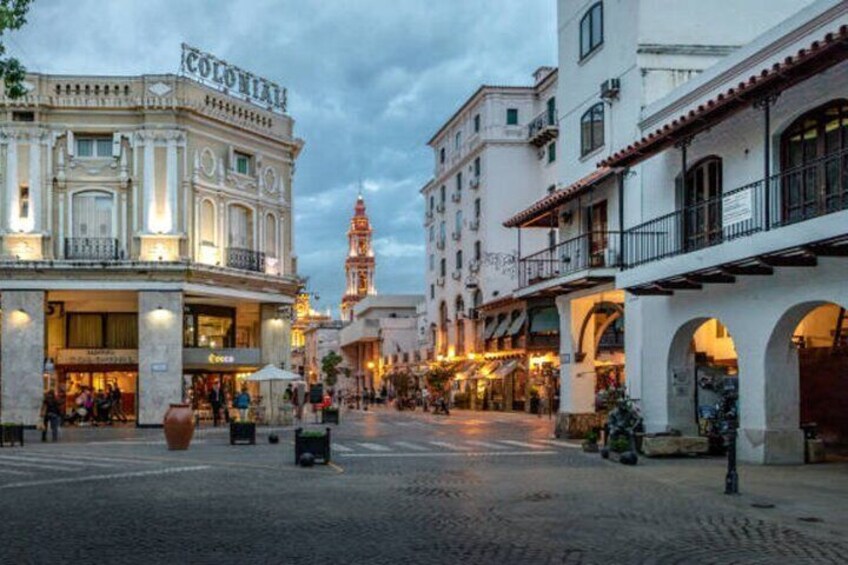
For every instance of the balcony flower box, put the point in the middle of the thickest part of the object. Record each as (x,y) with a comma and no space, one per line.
(330,416)
(316,442)
(11,434)
(243,432)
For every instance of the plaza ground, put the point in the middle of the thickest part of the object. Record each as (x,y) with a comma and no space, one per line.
(404,487)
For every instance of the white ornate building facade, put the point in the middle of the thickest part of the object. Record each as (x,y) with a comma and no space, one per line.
(146,240)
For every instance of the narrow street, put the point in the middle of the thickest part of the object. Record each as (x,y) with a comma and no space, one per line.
(471,488)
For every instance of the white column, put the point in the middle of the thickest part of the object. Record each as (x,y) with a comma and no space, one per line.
(12,191)
(61,228)
(171,175)
(34,220)
(22,358)
(148,201)
(160,354)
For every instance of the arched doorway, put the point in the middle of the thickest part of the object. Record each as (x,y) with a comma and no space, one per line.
(807,363)
(701,360)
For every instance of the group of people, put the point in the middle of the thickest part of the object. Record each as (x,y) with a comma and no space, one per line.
(217,398)
(89,407)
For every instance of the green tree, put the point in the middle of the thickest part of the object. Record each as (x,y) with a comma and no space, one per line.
(330,368)
(12,16)
(438,375)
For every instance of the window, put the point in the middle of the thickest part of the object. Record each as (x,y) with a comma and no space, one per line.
(99,331)
(23,202)
(476,123)
(477,208)
(442,232)
(271,236)
(242,163)
(477,166)
(478,250)
(459,260)
(432,262)
(432,291)
(458,221)
(442,194)
(90,147)
(459,182)
(241,227)
(814,147)
(23,116)
(552,152)
(442,155)
(702,204)
(592,129)
(551,111)
(207,223)
(92,215)
(552,239)
(512,116)
(592,30)
(443,267)
(432,233)
(209,326)
(432,202)
(457,141)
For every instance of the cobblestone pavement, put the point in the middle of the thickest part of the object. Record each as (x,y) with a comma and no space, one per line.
(404,488)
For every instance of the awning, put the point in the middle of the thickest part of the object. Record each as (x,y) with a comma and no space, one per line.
(518,324)
(465,370)
(506,369)
(484,370)
(502,328)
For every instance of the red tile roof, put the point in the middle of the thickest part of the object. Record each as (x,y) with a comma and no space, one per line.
(543,207)
(818,57)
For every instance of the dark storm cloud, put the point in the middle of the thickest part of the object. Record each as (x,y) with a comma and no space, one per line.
(369,82)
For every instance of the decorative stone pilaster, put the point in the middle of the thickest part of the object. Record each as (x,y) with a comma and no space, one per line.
(275,335)
(22,354)
(160,354)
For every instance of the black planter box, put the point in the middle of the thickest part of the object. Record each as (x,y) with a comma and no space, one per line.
(330,416)
(242,432)
(11,434)
(319,447)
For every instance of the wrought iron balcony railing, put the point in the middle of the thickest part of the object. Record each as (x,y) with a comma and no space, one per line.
(543,128)
(592,250)
(801,193)
(92,248)
(245,259)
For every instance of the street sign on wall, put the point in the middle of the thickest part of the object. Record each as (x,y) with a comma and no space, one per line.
(737,207)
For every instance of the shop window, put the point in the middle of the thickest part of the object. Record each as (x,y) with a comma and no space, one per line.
(209,327)
(93,147)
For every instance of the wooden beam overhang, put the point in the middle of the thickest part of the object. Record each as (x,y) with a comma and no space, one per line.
(748,270)
(679,285)
(789,260)
(824,250)
(651,290)
(712,278)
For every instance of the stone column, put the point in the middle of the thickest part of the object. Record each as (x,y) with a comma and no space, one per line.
(22,366)
(171,176)
(12,190)
(160,354)
(275,336)
(148,201)
(577,377)
(34,220)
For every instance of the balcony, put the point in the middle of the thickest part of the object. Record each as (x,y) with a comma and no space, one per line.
(474,182)
(592,250)
(474,225)
(440,207)
(788,198)
(245,259)
(92,248)
(456,196)
(542,129)
(440,244)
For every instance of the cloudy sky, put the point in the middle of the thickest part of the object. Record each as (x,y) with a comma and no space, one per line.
(369,82)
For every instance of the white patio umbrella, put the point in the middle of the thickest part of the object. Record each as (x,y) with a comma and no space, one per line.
(272,374)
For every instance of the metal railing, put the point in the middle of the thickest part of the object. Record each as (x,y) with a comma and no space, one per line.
(591,250)
(92,248)
(541,122)
(801,193)
(245,259)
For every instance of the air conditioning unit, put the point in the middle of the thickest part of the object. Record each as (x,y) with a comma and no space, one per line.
(456,196)
(610,89)
(456,236)
(474,182)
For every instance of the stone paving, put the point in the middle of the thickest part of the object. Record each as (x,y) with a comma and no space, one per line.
(407,487)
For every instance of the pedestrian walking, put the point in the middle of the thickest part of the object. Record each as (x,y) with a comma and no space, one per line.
(425,399)
(217,400)
(51,415)
(117,403)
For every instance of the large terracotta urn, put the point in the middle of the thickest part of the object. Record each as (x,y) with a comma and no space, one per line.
(179,426)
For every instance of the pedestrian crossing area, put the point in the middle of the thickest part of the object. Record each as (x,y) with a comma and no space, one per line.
(439,447)
(25,468)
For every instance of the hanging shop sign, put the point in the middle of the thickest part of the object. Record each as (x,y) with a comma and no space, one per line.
(208,69)
(229,357)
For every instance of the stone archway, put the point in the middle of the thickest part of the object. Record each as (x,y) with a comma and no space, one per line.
(700,347)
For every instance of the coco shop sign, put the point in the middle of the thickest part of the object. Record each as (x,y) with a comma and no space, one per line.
(212,71)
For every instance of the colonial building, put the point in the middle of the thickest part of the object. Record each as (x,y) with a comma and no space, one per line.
(383,330)
(496,154)
(360,263)
(617,57)
(320,338)
(146,239)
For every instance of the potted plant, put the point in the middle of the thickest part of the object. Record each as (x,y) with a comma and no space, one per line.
(316,442)
(590,442)
(11,434)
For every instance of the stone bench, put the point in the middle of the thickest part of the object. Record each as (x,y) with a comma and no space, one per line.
(664,446)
